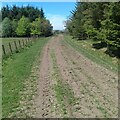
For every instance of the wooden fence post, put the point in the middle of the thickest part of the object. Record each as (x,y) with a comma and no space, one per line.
(10,48)
(15,45)
(26,42)
(20,44)
(30,40)
(23,43)
(3,49)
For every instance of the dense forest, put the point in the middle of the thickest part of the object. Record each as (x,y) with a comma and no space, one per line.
(99,22)
(24,22)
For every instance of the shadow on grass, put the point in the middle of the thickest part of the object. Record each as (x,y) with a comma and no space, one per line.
(113,52)
(99,45)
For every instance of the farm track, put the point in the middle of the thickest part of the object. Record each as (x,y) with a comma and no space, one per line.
(91,89)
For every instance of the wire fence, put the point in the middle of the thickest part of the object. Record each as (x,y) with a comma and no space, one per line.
(16,45)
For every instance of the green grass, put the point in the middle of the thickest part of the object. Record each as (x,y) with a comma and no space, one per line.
(16,69)
(98,56)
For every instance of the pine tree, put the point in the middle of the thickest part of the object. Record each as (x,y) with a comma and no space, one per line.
(42,13)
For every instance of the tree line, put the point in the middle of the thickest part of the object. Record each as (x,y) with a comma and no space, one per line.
(24,22)
(99,22)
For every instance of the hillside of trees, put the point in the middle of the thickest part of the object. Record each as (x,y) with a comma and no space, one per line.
(24,22)
(99,22)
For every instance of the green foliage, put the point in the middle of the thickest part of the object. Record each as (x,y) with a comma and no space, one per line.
(97,21)
(14,27)
(46,27)
(42,14)
(36,27)
(23,27)
(6,27)
(41,27)
(0,29)
(110,29)
(25,21)
(16,12)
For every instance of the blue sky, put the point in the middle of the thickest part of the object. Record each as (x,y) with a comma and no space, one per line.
(56,12)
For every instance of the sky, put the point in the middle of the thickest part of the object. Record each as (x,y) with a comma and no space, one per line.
(56,12)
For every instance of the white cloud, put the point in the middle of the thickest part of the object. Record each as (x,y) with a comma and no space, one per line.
(57,21)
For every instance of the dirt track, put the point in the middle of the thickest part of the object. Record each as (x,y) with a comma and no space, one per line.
(93,89)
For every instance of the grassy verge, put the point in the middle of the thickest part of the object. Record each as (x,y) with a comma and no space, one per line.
(97,56)
(64,94)
(16,69)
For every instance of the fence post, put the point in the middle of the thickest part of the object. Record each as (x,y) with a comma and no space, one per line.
(30,40)
(10,48)
(3,49)
(26,41)
(23,43)
(15,45)
(19,44)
